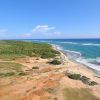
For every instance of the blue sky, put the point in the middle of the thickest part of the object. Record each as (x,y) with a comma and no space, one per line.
(49,19)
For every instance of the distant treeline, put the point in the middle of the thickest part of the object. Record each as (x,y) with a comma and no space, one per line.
(12,49)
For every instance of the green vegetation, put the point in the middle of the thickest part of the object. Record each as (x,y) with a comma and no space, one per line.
(93,83)
(55,62)
(22,73)
(35,67)
(74,76)
(11,49)
(84,79)
(7,74)
(10,69)
(78,94)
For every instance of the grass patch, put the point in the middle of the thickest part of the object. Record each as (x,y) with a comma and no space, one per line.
(78,94)
(7,74)
(10,69)
(22,73)
(11,49)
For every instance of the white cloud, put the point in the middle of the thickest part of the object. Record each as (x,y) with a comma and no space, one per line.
(42,31)
(42,28)
(26,35)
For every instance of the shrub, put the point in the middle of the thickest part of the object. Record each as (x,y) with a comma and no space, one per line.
(74,76)
(92,83)
(84,79)
(55,62)
(35,67)
(28,70)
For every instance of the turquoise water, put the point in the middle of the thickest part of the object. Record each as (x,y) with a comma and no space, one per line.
(89,48)
(85,51)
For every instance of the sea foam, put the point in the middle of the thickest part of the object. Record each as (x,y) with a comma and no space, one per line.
(89,44)
(77,56)
(69,42)
(89,63)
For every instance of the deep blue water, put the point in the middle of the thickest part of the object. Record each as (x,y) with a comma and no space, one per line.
(86,51)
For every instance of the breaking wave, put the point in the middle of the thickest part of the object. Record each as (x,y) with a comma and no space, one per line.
(89,44)
(92,44)
(74,55)
(70,42)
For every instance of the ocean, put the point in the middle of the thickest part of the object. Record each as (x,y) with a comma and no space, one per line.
(85,51)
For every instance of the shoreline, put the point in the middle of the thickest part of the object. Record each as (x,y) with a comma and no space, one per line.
(96,72)
(43,79)
(37,79)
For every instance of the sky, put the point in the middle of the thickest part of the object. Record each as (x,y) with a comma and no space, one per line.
(49,19)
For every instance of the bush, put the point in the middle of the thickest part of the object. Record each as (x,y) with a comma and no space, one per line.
(55,62)
(74,76)
(35,67)
(92,83)
(84,79)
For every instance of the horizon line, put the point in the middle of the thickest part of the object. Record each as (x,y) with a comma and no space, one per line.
(48,38)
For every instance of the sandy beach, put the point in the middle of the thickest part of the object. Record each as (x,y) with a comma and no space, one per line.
(36,85)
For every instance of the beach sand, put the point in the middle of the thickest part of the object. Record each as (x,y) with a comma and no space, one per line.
(47,82)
